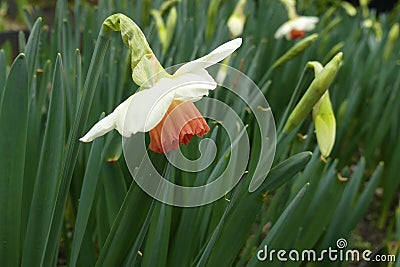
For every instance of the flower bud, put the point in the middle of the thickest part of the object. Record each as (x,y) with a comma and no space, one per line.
(314,92)
(325,124)
(165,32)
(349,8)
(295,50)
(237,20)
(334,50)
(392,38)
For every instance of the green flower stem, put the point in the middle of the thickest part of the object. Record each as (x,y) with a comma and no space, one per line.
(72,147)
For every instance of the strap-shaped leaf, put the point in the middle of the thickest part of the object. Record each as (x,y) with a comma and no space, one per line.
(13,132)
(47,178)
(87,196)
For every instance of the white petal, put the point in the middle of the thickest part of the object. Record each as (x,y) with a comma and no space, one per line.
(215,56)
(284,29)
(142,111)
(306,23)
(193,91)
(115,120)
(100,128)
(300,23)
(120,114)
(148,107)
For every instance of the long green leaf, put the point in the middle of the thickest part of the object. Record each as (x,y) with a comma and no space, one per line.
(21,42)
(319,211)
(3,73)
(47,177)
(239,221)
(129,219)
(157,243)
(71,155)
(280,227)
(13,132)
(87,196)
(32,46)
(31,49)
(134,250)
(365,198)
(114,188)
(344,210)
(210,244)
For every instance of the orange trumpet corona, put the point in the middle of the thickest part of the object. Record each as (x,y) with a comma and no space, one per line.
(180,123)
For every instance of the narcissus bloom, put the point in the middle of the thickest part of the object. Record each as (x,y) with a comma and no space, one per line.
(166,109)
(297,27)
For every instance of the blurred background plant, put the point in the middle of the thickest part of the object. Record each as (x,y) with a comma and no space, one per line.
(307,201)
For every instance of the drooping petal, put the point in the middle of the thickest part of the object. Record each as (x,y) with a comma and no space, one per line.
(100,128)
(213,57)
(112,121)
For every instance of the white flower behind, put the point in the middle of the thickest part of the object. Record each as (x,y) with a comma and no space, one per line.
(297,26)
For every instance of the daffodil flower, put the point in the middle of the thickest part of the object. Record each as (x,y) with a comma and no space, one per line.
(297,27)
(166,108)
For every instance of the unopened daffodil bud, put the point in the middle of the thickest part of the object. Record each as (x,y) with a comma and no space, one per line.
(392,38)
(364,7)
(349,8)
(166,5)
(325,124)
(165,31)
(332,24)
(375,26)
(317,88)
(316,66)
(296,50)
(334,50)
(237,20)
